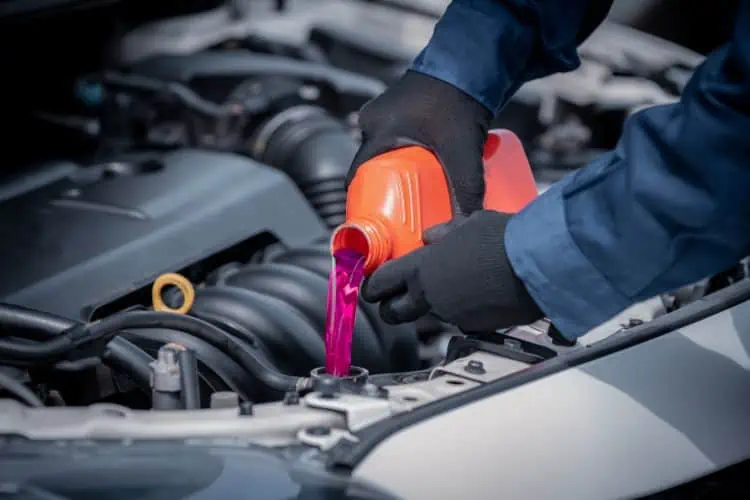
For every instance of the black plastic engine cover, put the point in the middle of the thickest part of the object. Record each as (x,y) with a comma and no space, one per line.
(74,237)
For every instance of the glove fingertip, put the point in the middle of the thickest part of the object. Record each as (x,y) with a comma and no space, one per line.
(391,278)
(368,292)
(381,285)
(403,308)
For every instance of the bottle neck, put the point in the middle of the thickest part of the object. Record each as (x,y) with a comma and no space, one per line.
(367,236)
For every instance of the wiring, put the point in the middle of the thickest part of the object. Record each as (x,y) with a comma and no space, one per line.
(19,390)
(79,336)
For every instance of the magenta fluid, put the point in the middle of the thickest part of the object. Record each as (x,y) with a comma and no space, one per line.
(341,308)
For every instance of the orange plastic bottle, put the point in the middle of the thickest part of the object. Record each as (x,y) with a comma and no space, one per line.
(396,196)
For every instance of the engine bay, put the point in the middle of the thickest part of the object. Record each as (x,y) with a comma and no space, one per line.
(166,242)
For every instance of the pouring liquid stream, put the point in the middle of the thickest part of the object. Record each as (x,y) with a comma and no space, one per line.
(341,309)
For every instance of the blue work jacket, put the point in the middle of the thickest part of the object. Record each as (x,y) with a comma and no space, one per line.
(668,207)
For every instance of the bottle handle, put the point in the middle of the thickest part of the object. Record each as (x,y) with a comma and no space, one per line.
(509,181)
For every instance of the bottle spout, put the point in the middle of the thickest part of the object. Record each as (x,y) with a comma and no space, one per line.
(367,237)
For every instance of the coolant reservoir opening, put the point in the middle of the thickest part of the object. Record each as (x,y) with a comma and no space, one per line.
(357,375)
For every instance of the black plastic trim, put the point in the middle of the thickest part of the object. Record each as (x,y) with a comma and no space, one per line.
(506,346)
(347,457)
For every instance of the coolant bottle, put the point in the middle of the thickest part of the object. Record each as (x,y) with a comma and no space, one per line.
(396,196)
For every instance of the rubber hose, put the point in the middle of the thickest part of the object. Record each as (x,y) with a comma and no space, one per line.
(190,393)
(245,356)
(306,291)
(217,371)
(48,350)
(20,321)
(126,357)
(189,98)
(120,354)
(292,342)
(399,342)
(112,325)
(20,391)
(220,372)
(239,332)
(316,150)
(253,329)
(48,330)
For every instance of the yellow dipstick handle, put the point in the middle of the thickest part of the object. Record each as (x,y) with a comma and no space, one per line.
(176,280)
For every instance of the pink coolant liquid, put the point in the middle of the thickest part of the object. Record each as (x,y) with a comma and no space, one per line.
(341,309)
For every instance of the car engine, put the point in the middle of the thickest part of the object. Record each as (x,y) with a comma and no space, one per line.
(174,255)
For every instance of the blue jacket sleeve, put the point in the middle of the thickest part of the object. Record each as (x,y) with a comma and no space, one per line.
(489,48)
(669,206)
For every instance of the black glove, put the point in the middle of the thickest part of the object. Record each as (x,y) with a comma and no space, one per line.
(421,110)
(462,275)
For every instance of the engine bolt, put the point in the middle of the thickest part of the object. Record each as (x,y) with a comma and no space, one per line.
(475,367)
(374,391)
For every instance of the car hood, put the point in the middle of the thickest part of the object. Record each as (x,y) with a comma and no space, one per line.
(171,470)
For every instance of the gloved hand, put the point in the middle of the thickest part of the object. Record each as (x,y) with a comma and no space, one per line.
(462,275)
(421,110)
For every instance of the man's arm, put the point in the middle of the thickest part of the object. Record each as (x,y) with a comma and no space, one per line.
(668,207)
(489,48)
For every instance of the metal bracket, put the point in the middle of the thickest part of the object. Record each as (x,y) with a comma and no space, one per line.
(481,367)
(360,411)
(324,438)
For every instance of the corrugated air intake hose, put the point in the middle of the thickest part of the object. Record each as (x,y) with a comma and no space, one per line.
(280,304)
(315,150)
(255,330)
